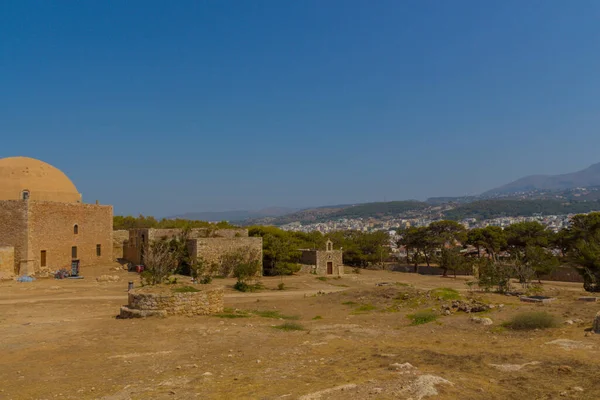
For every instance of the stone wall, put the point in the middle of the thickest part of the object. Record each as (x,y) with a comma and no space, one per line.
(51,227)
(139,239)
(212,249)
(164,302)
(120,240)
(13,230)
(309,257)
(7,262)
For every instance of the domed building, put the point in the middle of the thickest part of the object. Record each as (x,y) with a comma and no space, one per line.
(44,225)
(23,178)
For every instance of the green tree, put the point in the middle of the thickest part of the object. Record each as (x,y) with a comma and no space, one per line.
(476,239)
(452,259)
(584,249)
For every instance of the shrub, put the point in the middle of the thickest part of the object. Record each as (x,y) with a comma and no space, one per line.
(422,317)
(366,307)
(160,262)
(445,294)
(185,289)
(531,320)
(322,278)
(286,268)
(289,326)
(356,270)
(281,286)
(317,317)
(246,287)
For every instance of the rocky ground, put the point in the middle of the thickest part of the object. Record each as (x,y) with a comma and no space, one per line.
(60,339)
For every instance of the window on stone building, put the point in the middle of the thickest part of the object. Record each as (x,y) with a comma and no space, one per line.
(43,258)
(98,250)
(76,229)
(74,252)
(25,195)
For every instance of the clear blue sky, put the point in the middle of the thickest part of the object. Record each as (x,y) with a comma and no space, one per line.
(164,107)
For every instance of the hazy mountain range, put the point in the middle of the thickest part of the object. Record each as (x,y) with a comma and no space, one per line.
(584,178)
(238,215)
(589,177)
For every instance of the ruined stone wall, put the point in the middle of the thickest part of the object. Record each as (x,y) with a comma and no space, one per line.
(120,242)
(231,233)
(144,303)
(7,262)
(13,230)
(213,243)
(51,228)
(309,257)
(212,249)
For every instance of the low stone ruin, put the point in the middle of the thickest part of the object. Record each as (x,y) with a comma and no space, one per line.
(471,306)
(537,299)
(162,302)
(596,327)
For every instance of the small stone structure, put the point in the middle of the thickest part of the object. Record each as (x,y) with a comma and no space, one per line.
(589,299)
(323,262)
(596,327)
(163,301)
(537,299)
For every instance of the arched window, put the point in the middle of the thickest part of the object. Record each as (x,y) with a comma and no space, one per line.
(25,195)
(76,229)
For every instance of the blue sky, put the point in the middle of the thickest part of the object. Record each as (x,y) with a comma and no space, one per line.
(166,107)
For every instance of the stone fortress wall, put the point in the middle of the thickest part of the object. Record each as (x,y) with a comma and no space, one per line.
(7,262)
(13,233)
(45,229)
(58,227)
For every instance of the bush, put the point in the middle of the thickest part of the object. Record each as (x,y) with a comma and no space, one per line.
(185,289)
(356,270)
(365,308)
(531,320)
(246,287)
(281,286)
(286,268)
(289,326)
(422,317)
(445,294)
(321,278)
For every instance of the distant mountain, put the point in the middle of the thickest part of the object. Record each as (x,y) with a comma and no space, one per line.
(584,178)
(328,213)
(236,216)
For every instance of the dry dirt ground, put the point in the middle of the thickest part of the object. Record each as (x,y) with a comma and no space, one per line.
(60,339)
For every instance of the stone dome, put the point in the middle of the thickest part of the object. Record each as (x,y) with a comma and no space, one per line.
(27,178)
